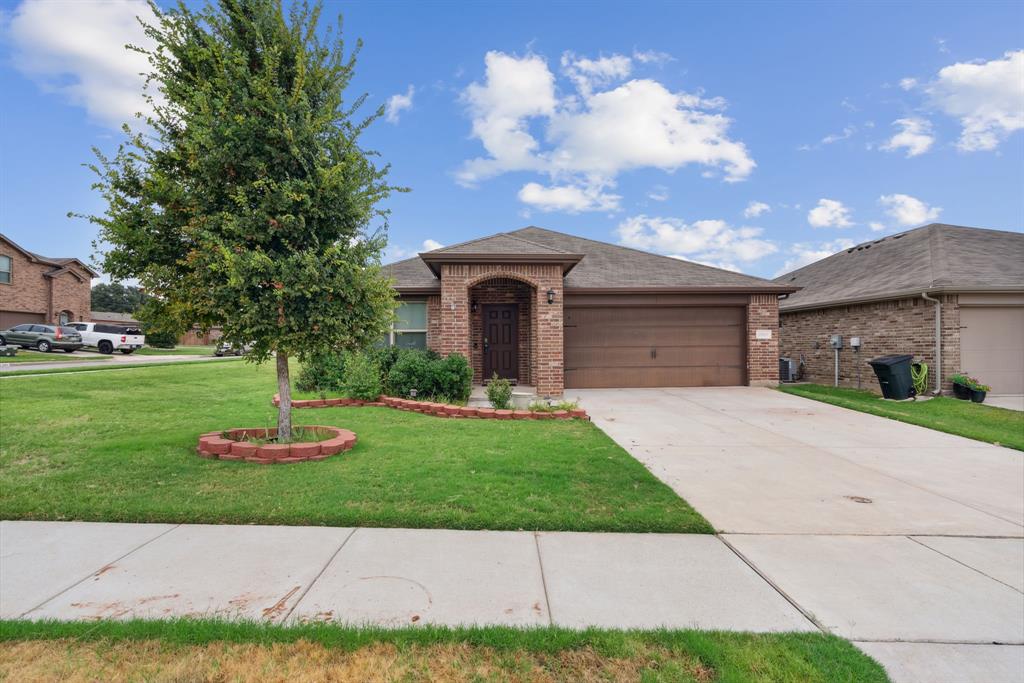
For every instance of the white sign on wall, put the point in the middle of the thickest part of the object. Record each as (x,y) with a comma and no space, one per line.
(763,334)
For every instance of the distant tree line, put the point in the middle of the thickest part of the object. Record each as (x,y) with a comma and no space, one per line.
(117,298)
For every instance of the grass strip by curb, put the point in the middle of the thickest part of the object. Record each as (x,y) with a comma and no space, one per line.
(726,656)
(973,421)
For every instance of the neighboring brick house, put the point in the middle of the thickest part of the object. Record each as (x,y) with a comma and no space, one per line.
(556,311)
(41,289)
(882,291)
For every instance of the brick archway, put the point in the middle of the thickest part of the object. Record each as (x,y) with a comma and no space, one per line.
(545,347)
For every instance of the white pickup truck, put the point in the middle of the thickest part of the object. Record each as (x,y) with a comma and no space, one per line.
(105,337)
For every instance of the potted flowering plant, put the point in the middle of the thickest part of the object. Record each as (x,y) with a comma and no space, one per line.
(979,391)
(962,385)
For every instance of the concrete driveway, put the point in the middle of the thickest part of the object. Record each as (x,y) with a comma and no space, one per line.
(757,461)
(905,540)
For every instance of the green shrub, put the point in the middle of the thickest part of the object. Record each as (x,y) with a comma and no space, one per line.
(322,372)
(362,377)
(161,340)
(430,375)
(499,392)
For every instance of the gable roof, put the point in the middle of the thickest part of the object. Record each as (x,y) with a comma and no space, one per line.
(60,265)
(589,264)
(933,258)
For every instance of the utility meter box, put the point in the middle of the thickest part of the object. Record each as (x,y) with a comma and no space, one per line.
(854,342)
(836,341)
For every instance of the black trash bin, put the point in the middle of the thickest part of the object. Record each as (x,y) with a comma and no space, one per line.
(893,374)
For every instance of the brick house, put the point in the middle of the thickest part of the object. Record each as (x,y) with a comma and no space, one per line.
(939,290)
(41,289)
(555,311)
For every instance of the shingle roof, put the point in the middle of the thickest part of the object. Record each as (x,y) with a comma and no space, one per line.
(611,266)
(603,266)
(935,257)
(502,243)
(57,263)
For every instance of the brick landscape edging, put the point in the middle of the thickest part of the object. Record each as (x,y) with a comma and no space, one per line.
(440,409)
(228,445)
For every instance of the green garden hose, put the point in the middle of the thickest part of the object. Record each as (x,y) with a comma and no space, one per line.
(919,373)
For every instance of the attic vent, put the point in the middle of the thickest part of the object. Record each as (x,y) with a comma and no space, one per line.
(850,250)
(867,246)
(792,278)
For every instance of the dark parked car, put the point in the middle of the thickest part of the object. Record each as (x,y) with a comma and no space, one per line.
(45,338)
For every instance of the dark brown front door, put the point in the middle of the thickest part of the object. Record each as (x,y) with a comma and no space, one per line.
(501,340)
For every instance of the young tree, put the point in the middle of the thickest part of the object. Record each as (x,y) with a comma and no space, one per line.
(248,202)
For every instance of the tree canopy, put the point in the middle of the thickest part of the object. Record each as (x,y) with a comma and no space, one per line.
(247,201)
(116,298)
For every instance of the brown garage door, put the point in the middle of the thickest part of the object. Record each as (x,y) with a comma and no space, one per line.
(992,346)
(658,346)
(9,319)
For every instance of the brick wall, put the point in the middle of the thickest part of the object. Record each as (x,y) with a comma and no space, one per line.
(455,333)
(501,291)
(30,291)
(763,354)
(434,323)
(885,327)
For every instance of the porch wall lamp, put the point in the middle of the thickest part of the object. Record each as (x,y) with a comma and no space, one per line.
(472,306)
(551,296)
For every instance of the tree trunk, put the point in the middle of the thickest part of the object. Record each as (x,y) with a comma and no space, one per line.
(284,390)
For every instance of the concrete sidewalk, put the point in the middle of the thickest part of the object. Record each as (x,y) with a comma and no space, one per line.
(928,608)
(392,577)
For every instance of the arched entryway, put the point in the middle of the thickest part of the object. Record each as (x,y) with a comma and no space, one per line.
(502,325)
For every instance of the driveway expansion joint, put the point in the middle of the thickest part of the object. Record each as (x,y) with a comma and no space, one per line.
(543,578)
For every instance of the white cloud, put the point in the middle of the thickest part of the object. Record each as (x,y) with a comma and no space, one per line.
(755,209)
(398,103)
(653,57)
(658,193)
(908,83)
(829,213)
(587,73)
(76,49)
(396,252)
(805,253)
(907,210)
(876,226)
(515,90)
(845,134)
(916,136)
(707,241)
(596,133)
(987,98)
(568,198)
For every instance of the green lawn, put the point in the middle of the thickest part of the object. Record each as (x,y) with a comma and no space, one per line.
(177,351)
(213,650)
(946,414)
(120,446)
(26,356)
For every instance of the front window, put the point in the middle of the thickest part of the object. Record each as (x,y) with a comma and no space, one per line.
(5,269)
(64,318)
(410,330)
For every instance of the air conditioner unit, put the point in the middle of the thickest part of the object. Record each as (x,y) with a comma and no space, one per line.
(787,370)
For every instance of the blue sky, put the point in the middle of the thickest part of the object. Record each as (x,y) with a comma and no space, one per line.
(753,136)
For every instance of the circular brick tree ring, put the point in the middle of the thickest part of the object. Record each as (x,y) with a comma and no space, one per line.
(233,444)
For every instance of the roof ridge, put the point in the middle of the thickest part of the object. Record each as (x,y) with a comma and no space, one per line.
(647,253)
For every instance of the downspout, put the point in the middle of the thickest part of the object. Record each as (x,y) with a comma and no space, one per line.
(938,341)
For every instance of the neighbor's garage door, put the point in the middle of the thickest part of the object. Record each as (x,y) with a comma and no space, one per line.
(9,319)
(659,346)
(992,346)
